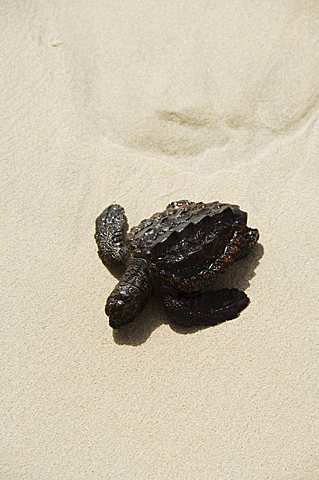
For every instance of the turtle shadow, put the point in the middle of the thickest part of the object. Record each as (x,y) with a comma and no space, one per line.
(144,324)
(116,270)
(153,315)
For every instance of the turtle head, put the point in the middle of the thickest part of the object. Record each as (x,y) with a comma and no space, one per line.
(130,294)
(119,309)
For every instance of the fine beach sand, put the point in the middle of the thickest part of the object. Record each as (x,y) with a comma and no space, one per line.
(141,103)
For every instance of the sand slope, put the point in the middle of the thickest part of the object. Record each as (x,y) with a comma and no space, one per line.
(143,103)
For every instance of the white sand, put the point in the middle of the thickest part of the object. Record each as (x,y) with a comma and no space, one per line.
(142,103)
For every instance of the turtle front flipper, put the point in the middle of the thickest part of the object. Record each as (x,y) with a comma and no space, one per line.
(208,308)
(110,235)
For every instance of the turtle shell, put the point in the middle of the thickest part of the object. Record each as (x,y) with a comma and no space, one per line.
(188,245)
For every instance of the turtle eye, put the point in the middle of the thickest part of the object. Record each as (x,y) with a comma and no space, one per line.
(114,305)
(124,295)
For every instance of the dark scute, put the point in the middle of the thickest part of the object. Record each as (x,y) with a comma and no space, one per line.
(182,244)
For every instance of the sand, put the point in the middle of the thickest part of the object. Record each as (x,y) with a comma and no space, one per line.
(141,103)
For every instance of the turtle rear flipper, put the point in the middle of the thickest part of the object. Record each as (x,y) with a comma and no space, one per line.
(208,308)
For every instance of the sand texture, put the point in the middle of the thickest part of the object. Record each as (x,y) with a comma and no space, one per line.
(141,103)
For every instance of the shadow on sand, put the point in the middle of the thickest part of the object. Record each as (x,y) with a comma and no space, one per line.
(136,333)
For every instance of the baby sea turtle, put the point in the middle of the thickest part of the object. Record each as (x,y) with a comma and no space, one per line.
(177,254)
